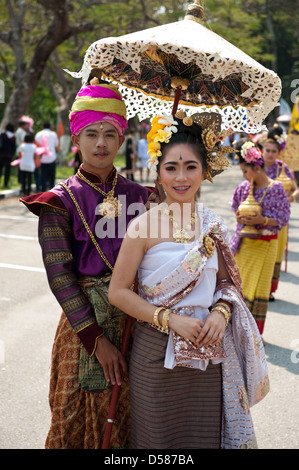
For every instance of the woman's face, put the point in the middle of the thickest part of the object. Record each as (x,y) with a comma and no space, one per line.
(249,173)
(270,153)
(180,174)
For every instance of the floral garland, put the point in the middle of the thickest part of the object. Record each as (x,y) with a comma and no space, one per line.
(162,128)
(281,139)
(251,154)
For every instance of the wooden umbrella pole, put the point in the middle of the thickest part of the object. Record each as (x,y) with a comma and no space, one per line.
(116,388)
(176,99)
(286,252)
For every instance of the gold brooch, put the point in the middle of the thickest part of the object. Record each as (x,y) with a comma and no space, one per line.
(110,208)
(209,245)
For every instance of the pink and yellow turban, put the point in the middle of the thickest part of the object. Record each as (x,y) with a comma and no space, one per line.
(98,103)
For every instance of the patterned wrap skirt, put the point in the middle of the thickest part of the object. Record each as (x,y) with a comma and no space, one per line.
(256,260)
(78,417)
(176,408)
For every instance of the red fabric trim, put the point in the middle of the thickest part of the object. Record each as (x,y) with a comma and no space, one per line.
(93,178)
(260,324)
(35,201)
(274,286)
(268,238)
(89,336)
(150,190)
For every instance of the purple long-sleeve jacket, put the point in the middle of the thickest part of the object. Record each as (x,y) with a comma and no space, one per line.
(67,248)
(274,205)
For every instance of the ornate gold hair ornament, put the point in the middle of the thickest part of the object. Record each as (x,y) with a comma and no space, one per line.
(213,137)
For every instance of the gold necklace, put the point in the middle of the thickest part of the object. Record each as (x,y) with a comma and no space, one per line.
(110,207)
(181,235)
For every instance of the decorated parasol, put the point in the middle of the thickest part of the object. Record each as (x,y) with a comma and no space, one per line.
(185,64)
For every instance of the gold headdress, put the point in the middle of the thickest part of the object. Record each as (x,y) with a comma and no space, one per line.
(163,128)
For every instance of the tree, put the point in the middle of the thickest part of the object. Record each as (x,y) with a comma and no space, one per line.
(39,38)
(26,75)
(45,36)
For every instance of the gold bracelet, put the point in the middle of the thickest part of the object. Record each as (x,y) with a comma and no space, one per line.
(221,309)
(224,313)
(164,327)
(224,305)
(165,321)
(156,316)
(266,221)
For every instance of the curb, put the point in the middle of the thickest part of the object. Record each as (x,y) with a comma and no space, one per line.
(9,193)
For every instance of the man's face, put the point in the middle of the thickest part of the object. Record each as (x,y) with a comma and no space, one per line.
(99,144)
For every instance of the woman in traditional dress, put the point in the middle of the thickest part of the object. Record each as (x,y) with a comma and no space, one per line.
(192,379)
(277,169)
(255,254)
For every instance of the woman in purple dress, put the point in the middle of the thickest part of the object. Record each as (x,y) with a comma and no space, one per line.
(256,257)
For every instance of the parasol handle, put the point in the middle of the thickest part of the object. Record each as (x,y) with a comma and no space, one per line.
(286,252)
(176,99)
(116,388)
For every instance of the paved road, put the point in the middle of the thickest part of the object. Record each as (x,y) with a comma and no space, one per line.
(29,315)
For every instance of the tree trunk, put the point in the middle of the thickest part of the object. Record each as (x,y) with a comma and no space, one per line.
(58,31)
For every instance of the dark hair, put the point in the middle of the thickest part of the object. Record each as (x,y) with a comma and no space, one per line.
(252,165)
(47,125)
(272,141)
(240,143)
(274,131)
(189,135)
(29,138)
(10,127)
(238,148)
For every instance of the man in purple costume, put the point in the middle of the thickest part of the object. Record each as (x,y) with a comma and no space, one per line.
(81,225)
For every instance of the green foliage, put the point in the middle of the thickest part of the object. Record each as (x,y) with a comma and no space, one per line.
(43,107)
(245,23)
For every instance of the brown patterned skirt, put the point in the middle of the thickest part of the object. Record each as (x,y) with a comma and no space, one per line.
(171,409)
(79,418)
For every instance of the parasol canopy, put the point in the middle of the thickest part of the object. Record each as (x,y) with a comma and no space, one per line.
(187,65)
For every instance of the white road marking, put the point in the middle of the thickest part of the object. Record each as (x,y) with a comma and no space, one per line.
(18,217)
(24,268)
(18,237)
